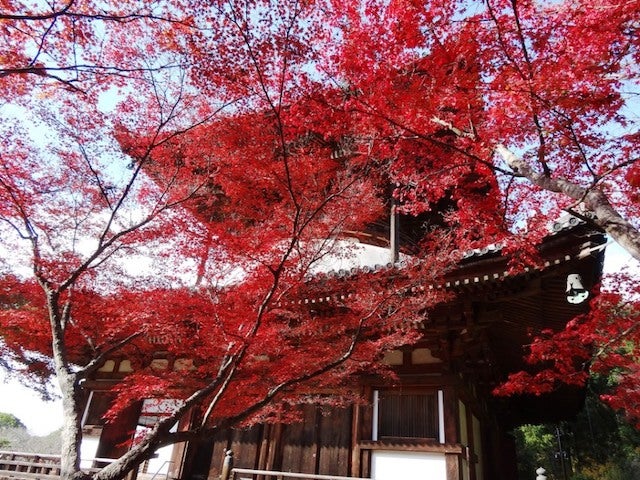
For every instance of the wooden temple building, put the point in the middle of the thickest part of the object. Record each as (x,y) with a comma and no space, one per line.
(439,421)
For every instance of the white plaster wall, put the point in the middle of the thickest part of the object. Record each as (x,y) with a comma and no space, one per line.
(88,449)
(395,465)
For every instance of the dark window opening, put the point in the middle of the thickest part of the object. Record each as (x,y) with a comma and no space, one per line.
(407,415)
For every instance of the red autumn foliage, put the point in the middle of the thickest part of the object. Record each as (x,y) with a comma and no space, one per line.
(602,342)
(192,161)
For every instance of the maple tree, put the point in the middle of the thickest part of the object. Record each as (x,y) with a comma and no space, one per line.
(602,343)
(212,176)
(510,86)
(542,94)
(242,136)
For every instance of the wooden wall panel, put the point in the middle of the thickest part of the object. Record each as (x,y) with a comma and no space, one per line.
(300,443)
(245,445)
(218,451)
(115,435)
(183,452)
(197,457)
(335,441)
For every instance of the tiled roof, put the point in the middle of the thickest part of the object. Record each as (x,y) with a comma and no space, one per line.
(565,223)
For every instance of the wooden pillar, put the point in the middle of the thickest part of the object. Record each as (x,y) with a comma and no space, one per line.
(450,414)
(452,461)
(355,440)
(227,466)
(394,232)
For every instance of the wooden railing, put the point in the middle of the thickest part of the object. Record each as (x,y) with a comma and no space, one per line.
(250,474)
(231,473)
(22,465)
(29,465)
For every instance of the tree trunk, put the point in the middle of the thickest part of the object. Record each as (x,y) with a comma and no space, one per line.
(606,216)
(71,435)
